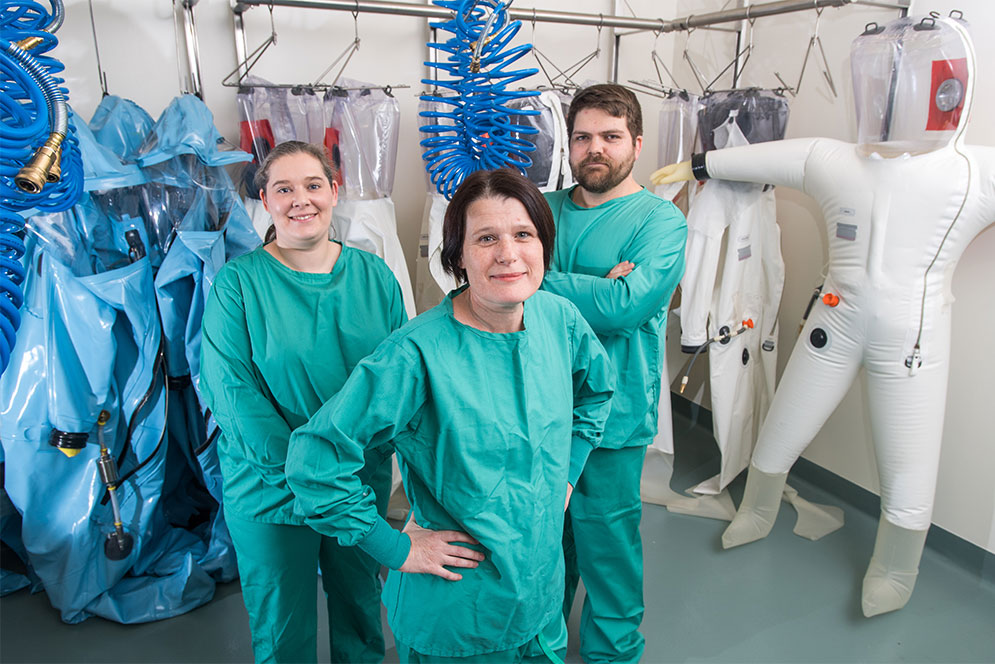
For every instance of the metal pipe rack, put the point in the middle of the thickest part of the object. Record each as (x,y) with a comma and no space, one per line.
(658,25)
(549,16)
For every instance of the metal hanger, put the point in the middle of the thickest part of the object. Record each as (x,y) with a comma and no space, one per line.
(813,41)
(245,66)
(252,58)
(101,74)
(699,77)
(563,80)
(659,88)
(349,51)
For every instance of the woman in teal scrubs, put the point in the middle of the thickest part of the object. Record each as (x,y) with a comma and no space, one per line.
(284,326)
(492,400)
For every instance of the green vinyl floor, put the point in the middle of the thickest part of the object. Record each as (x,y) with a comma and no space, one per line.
(783,599)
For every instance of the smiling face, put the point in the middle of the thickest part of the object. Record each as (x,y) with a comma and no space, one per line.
(502,253)
(300,199)
(602,151)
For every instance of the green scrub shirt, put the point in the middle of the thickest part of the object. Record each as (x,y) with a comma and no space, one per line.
(488,429)
(629,314)
(277,344)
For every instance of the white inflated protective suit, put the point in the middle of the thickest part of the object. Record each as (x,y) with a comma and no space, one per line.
(901,205)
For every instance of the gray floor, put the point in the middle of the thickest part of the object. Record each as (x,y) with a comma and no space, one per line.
(784,599)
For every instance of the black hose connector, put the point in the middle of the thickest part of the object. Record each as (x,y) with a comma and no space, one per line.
(69,442)
(118,545)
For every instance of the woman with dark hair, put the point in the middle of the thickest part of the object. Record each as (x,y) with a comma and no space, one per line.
(492,400)
(283,328)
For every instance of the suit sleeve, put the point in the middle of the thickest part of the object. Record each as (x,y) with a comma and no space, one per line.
(780,163)
(381,396)
(234,390)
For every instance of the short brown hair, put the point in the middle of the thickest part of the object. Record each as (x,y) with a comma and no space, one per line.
(615,100)
(500,183)
(261,178)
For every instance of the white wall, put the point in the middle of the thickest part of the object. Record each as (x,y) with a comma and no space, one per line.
(138,52)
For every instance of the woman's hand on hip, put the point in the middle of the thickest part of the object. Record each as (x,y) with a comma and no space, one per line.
(432,550)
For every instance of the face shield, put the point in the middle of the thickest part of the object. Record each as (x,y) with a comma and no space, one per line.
(912,81)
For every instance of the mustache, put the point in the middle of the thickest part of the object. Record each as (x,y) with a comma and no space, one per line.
(594,160)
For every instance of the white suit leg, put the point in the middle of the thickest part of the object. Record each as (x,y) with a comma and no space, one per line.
(907,426)
(821,369)
(814,382)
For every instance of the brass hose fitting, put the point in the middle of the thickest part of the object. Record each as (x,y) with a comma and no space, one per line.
(43,167)
(28,43)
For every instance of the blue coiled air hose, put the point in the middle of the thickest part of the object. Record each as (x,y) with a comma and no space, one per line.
(478,131)
(40,164)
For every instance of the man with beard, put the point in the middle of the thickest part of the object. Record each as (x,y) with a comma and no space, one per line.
(618,256)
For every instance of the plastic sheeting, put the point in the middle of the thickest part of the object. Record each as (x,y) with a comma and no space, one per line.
(678,131)
(365,125)
(359,131)
(762,115)
(115,292)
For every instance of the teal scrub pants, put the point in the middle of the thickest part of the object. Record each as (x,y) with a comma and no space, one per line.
(276,563)
(554,637)
(602,546)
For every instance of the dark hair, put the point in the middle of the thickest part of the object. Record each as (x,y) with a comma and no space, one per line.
(614,100)
(501,183)
(285,149)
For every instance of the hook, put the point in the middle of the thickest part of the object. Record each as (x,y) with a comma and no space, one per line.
(567,73)
(688,27)
(254,56)
(101,74)
(355,22)
(814,41)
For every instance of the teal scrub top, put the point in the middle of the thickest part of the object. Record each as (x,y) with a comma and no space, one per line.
(277,344)
(488,429)
(629,314)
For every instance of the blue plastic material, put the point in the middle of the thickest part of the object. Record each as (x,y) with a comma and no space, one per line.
(16,572)
(187,127)
(102,169)
(116,287)
(477,133)
(215,228)
(95,341)
(121,125)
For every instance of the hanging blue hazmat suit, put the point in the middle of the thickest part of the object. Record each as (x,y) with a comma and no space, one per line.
(214,228)
(91,343)
(199,222)
(186,127)
(102,169)
(120,125)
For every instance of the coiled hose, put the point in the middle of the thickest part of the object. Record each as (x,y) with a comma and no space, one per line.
(40,164)
(478,132)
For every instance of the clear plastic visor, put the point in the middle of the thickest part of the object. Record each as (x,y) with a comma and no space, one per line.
(910,84)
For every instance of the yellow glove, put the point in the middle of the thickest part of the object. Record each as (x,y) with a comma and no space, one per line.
(673,173)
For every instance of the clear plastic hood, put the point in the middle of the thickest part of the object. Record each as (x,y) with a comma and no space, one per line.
(912,81)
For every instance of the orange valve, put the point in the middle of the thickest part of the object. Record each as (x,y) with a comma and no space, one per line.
(748,323)
(830,299)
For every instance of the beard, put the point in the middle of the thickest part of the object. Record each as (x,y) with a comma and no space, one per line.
(601,180)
